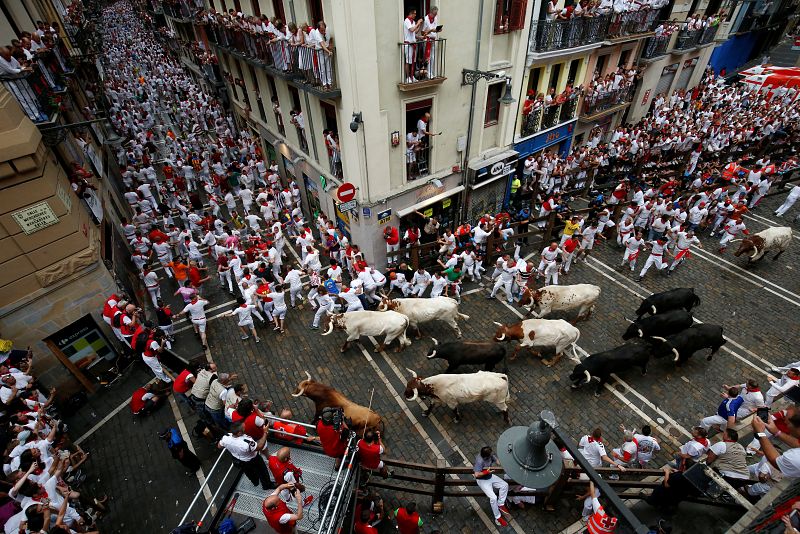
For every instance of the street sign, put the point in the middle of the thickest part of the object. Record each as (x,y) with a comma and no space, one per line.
(384,216)
(347,206)
(346,192)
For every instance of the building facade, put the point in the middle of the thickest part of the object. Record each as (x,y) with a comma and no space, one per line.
(371,91)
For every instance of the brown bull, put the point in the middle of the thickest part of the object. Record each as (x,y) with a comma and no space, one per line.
(324,396)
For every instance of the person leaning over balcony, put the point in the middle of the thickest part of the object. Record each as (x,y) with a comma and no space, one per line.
(410,28)
(430,31)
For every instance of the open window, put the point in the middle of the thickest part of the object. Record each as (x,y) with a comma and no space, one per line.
(419,144)
(277,9)
(331,133)
(493,94)
(315,11)
(509,15)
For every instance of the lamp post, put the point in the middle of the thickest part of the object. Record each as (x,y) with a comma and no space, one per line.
(472,77)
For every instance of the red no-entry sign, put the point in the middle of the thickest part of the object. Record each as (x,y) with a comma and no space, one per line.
(346,192)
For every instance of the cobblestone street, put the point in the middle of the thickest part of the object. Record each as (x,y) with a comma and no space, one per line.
(757,306)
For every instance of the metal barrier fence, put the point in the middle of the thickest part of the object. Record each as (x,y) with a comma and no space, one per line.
(601,101)
(548,35)
(422,61)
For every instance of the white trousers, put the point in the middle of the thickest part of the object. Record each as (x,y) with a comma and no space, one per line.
(488,486)
(726,238)
(786,206)
(652,260)
(223,276)
(506,285)
(708,422)
(155,366)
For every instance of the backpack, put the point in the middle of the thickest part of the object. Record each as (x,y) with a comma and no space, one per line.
(116,320)
(140,338)
(227,526)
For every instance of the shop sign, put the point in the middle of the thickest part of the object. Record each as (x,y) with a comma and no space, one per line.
(496,170)
(366,212)
(428,212)
(646,97)
(538,142)
(384,216)
(348,206)
(82,342)
(446,203)
(35,218)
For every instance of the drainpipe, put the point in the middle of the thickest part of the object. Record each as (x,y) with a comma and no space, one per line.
(464,167)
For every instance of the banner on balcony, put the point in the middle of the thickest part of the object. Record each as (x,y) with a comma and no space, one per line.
(546,139)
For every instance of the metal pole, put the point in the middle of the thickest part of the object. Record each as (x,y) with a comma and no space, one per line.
(618,504)
(335,482)
(197,495)
(214,497)
(344,484)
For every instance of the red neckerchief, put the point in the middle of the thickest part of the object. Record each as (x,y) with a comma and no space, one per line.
(591,439)
(702,441)
(754,390)
(430,17)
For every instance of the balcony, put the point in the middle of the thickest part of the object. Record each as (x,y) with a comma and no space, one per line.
(622,26)
(689,39)
(552,35)
(34,94)
(180,10)
(547,36)
(544,118)
(599,104)
(314,69)
(422,64)
(656,47)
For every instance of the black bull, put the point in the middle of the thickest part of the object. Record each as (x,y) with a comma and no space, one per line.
(674,299)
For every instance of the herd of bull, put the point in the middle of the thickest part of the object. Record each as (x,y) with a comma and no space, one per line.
(664,327)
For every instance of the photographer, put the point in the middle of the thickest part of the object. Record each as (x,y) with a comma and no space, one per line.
(278,514)
(370,449)
(247,455)
(333,432)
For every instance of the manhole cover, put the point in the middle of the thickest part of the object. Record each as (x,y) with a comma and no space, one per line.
(674,432)
(620,388)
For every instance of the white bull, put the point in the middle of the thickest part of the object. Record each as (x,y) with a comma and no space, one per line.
(581,297)
(370,323)
(539,334)
(757,245)
(421,311)
(460,389)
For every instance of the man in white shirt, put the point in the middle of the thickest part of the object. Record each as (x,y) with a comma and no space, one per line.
(778,386)
(592,448)
(247,455)
(410,28)
(508,271)
(197,314)
(789,462)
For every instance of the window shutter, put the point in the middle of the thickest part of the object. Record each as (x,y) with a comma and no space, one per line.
(516,19)
(499,17)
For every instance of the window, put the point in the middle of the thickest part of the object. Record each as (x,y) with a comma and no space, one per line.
(315,11)
(295,97)
(601,64)
(238,5)
(573,70)
(259,103)
(509,15)
(492,114)
(277,9)
(255,7)
(624,57)
(300,122)
(555,73)
(332,142)
(422,7)
(533,80)
(418,144)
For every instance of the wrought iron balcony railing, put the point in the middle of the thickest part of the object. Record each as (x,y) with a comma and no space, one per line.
(547,117)
(550,35)
(423,62)
(598,102)
(656,47)
(34,94)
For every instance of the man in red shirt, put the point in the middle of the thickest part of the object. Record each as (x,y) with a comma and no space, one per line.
(362,525)
(143,402)
(392,237)
(408,519)
(332,440)
(570,248)
(370,449)
(278,515)
(182,385)
(284,471)
(254,421)
(195,276)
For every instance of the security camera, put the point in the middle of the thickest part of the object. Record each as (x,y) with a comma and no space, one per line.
(500,74)
(436,182)
(353,126)
(355,122)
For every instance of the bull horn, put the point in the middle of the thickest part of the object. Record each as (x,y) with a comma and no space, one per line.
(498,324)
(413,374)
(658,338)
(588,376)
(652,307)
(308,376)
(628,320)
(432,355)
(415,397)
(302,390)
(641,334)
(330,328)
(755,253)
(677,355)
(501,338)
(434,341)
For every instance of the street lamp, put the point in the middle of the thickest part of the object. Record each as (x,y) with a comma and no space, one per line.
(529,456)
(507,98)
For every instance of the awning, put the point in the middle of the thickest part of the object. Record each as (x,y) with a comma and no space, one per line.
(428,201)
(477,165)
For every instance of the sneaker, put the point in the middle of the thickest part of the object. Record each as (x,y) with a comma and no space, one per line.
(258,340)
(613,477)
(503,508)
(500,522)
(490,296)
(639,279)
(308,500)
(314,327)
(245,337)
